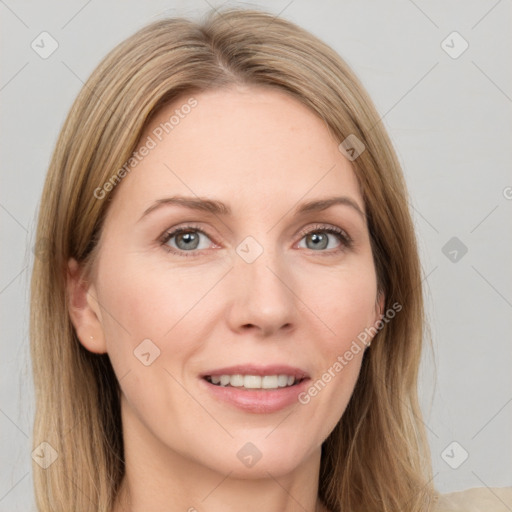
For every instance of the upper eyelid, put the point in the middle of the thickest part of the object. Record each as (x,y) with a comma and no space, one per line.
(320,227)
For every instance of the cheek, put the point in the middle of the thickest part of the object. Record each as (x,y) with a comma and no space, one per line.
(148,303)
(344,300)
(149,319)
(344,303)
(165,305)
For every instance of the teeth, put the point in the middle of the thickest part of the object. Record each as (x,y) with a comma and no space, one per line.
(282,381)
(269,382)
(253,381)
(235,380)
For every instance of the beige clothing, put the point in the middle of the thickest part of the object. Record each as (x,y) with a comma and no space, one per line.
(478,499)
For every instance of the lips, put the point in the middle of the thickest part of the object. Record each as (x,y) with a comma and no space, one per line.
(255,388)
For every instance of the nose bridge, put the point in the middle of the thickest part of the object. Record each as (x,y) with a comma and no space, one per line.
(262,287)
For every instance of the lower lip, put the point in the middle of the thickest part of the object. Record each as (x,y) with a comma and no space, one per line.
(260,401)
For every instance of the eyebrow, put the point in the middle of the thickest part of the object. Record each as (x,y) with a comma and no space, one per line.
(216,207)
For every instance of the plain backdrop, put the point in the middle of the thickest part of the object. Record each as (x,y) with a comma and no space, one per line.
(446,101)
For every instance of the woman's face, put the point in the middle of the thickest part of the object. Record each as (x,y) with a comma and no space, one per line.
(256,287)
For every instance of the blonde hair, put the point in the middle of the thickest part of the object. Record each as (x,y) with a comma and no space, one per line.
(377,457)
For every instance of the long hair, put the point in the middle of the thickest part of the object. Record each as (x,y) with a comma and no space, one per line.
(377,457)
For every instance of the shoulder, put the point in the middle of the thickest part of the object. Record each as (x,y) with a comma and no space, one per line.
(478,499)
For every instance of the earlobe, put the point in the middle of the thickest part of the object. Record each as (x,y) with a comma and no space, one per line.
(379,312)
(379,306)
(83,309)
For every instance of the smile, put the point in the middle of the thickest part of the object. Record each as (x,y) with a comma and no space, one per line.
(260,389)
(253,381)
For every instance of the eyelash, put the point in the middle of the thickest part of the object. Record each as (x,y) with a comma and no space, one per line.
(343,237)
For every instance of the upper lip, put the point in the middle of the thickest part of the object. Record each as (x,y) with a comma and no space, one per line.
(252,369)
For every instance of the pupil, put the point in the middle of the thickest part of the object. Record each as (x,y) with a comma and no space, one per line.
(188,237)
(318,239)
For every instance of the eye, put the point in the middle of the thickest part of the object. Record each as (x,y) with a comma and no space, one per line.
(317,238)
(187,239)
(184,239)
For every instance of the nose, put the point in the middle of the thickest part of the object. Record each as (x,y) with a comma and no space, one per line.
(262,297)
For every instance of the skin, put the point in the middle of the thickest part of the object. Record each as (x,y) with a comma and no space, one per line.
(262,153)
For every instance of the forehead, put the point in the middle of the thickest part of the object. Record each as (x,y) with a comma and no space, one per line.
(247,146)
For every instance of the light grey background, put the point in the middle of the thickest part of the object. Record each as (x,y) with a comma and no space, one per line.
(450,120)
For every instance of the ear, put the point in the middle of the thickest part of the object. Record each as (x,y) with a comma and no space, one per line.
(84,309)
(380,302)
(379,306)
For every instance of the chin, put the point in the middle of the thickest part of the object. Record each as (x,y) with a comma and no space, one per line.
(255,458)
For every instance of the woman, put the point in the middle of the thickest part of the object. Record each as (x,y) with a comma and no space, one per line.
(230,316)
